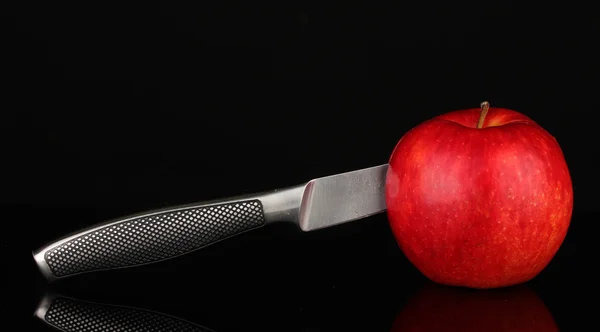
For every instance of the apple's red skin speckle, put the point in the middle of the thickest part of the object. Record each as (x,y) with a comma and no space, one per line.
(451,309)
(479,207)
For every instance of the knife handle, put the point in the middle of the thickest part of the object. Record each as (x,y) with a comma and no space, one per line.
(69,315)
(156,236)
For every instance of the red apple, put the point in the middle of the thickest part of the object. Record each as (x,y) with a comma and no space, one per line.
(479,198)
(451,309)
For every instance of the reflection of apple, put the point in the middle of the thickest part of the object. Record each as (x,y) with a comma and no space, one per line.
(448,309)
(479,198)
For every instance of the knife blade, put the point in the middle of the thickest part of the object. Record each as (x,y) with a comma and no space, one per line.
(72,315)
(167,233)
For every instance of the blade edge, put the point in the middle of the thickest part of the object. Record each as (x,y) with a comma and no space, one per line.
(344,197)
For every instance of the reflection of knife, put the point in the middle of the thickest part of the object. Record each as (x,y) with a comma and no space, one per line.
(159,235)
(70,315)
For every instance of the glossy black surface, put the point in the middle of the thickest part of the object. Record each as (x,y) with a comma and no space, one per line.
(142,108)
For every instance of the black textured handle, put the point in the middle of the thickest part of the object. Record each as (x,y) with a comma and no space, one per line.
(76,316)
(152,237)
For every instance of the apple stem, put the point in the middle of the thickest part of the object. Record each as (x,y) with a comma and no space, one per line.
(485,106)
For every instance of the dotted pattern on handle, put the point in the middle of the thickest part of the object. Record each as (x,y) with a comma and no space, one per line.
(154,237)
(75,316)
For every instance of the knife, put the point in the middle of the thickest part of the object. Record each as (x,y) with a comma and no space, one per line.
(71,315)
(163,234)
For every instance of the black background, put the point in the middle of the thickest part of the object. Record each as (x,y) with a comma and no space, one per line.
(115,110)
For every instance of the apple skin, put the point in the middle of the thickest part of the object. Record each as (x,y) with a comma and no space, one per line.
(479,207)
(448,309)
